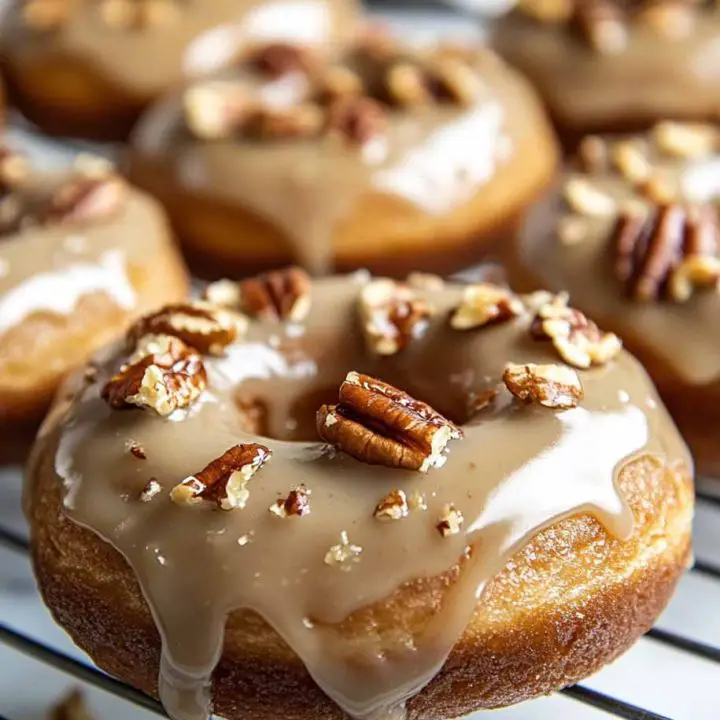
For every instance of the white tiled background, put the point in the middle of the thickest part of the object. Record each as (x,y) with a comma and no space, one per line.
(674,683)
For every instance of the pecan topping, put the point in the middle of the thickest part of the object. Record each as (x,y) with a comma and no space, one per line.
(479,401)
(666,251)
(84,199)
(278,295)
(357,120)
(552,386)
(138,14)
(686,140)
(381,425)
(216,109)
(417,501)
(150,490)
(344,554)
(407,85)
(278,59)
(168,378)
(585,199)
(295,504)
(450,521)
(392,315)
(602,24)
(579,341)
(136,450)
(483,304)
(394,506)
(225,479)
(201,325)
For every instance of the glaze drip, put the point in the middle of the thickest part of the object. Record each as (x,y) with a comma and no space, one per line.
(518,470)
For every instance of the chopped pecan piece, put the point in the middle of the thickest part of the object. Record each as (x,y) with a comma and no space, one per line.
(299,121)
(357,120)
(381,425)
(686,140)
(602,24)
(295,504)
(479,401)
(84,199)
(394,506)
(46,15)
(151,489)
(450,521)
(216,109)
(650,248)
(170,378)
(392,315)
(72,706)
(225,479)
(586,199)
(277,59)
(136,450)
(417,501)
(483,304)
(579,341)
(201,325)
(344,554)
(553,386)
(278,295)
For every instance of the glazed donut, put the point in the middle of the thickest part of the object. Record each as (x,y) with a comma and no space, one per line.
(384,158)
(89,68)
(602,67)
(81,255)
(632,233)
(308,551)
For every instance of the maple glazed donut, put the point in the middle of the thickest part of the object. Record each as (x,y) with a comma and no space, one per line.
(88,68)
(313,541)
(632,233)
(384,157)
(614,66)
(81,256)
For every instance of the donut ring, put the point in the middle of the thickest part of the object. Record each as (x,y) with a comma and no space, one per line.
(537,625)
(79,253)
(613,69)
(90,68)
(666,315)
(380,157)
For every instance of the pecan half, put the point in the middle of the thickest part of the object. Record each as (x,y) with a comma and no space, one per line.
(394,506)
(277,59)
(602,24)
(85,199)
(203,326)
(295,504)
(650,248)
(578,340)
(357,120)
(169,378)
(278,295)
(381,425)
(225,479)
(483,304)
(552,386)
(392,315)
(216,109)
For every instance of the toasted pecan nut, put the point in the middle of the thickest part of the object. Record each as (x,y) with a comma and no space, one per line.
(394,506)
(578,340)
(167,376)
(343,555)
(392,315)
(217,109)
(277,59)
(295,504)
(201,325)
(278,295)
(483,304)
(651,248)
(357,120)
(381,425)
(85,199)
(450,521)
(225,479)
(552,386)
